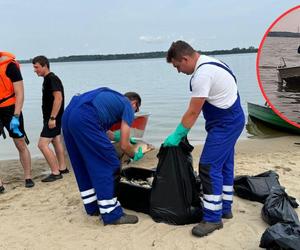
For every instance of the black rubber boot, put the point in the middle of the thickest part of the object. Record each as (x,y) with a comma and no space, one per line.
(125,219)
(204,228)
(227,216)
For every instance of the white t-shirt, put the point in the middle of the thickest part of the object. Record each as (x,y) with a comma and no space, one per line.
(213,83)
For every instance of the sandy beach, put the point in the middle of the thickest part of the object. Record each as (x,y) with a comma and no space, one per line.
(51,215)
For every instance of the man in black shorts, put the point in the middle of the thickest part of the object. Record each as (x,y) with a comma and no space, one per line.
(52,108)
(11,104)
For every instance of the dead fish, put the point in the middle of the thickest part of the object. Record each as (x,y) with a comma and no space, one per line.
(139,182)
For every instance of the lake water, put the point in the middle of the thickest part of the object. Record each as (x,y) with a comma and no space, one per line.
(286,101)
(165,93)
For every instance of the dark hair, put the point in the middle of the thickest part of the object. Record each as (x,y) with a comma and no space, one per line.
(42,60)
(133,96)
(179,49)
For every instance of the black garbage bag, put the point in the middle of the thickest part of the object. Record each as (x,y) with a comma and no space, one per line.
(279,207)
(281,236)
(256,188)
(175,197)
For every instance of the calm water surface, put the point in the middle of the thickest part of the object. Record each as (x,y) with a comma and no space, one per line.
(165,93)
(285,100)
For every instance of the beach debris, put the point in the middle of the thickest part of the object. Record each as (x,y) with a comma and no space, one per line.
(139,182)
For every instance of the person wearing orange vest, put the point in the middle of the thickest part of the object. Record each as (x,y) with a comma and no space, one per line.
(11,103)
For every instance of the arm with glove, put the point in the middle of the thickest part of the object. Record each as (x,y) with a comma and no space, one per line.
(14,125)
(117,137)
(188,120)
(127,148)
(15,121)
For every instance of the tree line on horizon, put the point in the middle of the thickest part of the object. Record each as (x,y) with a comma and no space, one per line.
(143,55)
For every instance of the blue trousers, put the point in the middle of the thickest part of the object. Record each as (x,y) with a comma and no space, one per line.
(216,167)
(93,158)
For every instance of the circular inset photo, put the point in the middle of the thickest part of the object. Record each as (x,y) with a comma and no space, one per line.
(278,69)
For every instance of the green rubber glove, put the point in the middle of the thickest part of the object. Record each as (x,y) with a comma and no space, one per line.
(117,137)
(175,138)
(138,155)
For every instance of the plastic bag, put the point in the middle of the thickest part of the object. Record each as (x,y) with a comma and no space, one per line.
(281,236)
(175,194)
(278,207)
(256,188)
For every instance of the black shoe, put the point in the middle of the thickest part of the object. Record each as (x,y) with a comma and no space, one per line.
(204,228)
(227,216)
(64,171)
(96,213)
(125,219)
(2,189)
(52,177)
(29,183)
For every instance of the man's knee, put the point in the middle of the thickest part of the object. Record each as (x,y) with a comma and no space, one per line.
(43,145)
(20,144)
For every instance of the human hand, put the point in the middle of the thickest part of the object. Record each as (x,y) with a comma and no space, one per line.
(138,154)
(52,124)
(175,138)
(172,140)
(14,125)
(117,137)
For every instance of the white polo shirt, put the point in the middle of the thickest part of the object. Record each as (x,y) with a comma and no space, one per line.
(213,83)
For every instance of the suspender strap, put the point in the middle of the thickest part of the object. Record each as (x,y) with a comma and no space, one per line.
(6,98)
(218,65)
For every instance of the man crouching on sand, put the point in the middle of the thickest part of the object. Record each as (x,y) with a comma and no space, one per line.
(86,123)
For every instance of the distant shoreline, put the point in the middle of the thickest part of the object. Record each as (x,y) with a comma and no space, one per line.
(145,55)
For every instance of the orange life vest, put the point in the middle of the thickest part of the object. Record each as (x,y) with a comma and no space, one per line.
(7,93)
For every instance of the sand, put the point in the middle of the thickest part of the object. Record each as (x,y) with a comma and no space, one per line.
(51,215)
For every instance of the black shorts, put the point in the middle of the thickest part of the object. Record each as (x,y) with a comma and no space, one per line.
(6,114)
(51,133)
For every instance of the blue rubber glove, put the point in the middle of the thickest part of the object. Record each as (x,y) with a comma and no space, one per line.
(14,125)
(139,154)
(117,137)
(175,138)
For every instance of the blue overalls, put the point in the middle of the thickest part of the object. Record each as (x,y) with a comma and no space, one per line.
(216,166)
(92,155)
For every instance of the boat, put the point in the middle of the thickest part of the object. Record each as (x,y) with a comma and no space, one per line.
(266,115)
(138,126)
(289,75)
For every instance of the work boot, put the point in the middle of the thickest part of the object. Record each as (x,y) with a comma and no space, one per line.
(204,228)
(227,216)
(126,219)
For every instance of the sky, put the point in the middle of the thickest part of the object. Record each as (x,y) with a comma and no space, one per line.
(83,27)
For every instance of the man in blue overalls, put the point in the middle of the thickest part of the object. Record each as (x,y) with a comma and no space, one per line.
(86,123)
(214,92)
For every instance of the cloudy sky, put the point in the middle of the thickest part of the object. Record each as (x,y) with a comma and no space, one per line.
(73,27)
